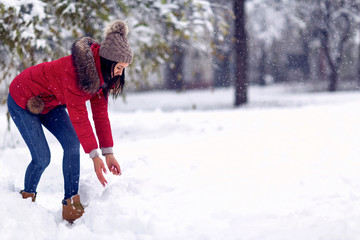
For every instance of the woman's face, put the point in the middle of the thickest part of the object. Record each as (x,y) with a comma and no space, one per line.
(119,68)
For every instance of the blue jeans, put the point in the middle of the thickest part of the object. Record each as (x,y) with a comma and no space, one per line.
(57,121)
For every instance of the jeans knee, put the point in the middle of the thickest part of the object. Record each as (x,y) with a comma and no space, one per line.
(45,162)
(41,162)
(72,147)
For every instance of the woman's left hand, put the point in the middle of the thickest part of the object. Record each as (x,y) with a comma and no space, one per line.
(112,164)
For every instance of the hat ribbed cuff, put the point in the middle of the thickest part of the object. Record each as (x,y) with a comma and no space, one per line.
(123,59)
(105,53)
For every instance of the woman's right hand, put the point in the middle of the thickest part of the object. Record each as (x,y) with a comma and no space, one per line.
(99,168)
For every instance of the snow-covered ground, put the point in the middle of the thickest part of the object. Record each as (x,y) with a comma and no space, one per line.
(286,166)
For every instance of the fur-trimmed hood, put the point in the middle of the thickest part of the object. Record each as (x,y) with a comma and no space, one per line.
(83,60)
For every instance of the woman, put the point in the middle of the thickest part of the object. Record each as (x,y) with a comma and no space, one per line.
(39,95)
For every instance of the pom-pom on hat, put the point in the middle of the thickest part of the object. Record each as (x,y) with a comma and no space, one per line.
(115,46)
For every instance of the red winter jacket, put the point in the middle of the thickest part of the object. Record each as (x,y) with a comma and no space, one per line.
(70,80)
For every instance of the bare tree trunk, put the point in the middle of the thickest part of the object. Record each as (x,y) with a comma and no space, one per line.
(241,53)
(358,67)
(174,72)
(333,81)
(262,67)
(335,62)
(322,65)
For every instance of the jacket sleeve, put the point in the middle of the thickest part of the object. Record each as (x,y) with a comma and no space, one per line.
(79,118)
(99,108)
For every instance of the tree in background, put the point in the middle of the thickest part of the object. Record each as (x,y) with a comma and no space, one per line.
(325,31)
(266,23)
(223,43)
(318,39)
(333,24)
(241,53)
(160,31)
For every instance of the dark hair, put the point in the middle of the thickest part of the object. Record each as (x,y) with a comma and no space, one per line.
(113,85)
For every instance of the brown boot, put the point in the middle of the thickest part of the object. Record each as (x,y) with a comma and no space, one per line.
(28,195)
(72,209)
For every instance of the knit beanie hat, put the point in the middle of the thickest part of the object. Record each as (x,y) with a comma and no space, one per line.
(115,46)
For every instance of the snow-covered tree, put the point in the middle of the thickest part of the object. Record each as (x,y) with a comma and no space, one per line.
(158,26)
(39,30)
(266,25)
(333,23)
(223,43)
(34,31)
(303,34)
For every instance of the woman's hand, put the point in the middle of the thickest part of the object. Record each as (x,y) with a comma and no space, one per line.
(99,169)
(112,164)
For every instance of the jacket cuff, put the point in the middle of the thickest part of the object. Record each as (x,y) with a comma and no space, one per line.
(93,153)
(106,150)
